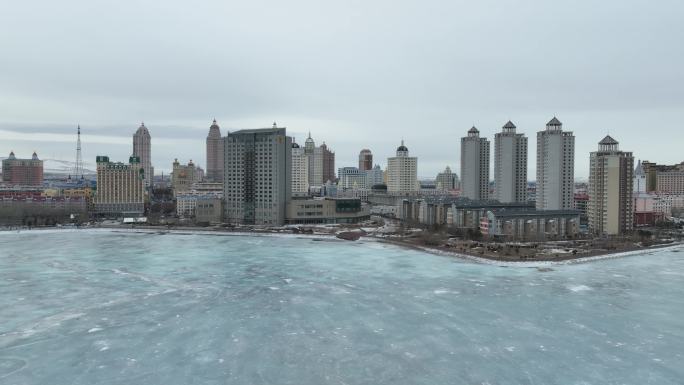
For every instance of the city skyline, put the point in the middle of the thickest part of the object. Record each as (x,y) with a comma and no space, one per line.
(175,140)
(355,77)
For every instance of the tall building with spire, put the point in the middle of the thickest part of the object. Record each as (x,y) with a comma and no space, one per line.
(321,162)
(365,160)
(510,165)
(474,166)
(610,208)
(555,167)
(639,182)
(402,171)
(142,148)
(214,153)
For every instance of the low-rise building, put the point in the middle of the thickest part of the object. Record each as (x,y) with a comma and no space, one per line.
(351,178)
(326,210)
(209,210)
(530,225)
(456,212)
(36,210)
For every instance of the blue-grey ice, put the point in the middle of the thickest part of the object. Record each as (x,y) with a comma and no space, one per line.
(103,307)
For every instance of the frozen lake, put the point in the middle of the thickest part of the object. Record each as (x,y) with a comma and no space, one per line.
(99,307)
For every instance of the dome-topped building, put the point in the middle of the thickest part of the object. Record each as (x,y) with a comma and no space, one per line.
(402,171)
(402,150)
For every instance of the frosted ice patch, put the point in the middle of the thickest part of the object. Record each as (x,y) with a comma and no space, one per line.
(101,345)
(579,288)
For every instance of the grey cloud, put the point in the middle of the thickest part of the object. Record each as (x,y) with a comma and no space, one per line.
(356,73)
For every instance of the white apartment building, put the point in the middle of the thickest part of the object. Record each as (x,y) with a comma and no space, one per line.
(474,166)
(510,165)
(374,176)
(555,167)
(402,171)
(300,171)
(351,178)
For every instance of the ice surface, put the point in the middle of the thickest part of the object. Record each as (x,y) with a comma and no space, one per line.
(103,307)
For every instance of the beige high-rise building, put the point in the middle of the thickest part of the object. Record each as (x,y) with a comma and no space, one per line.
(300,171)
(555,167)
(446,180)
(120,187)
(665,179)
(402,171)
(183,176)
(321,162)
(610,208)
(214,153)
(475,166)
(142,148)
(510,165)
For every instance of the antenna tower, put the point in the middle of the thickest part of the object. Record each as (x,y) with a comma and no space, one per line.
(78,166)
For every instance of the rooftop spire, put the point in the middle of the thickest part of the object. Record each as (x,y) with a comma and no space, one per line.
(608,144)
(554,123)
(509,127)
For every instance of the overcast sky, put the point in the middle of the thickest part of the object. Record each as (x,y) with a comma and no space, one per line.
(357,74)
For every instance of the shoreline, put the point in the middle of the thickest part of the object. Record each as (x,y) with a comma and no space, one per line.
(482,259)
(469,257)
